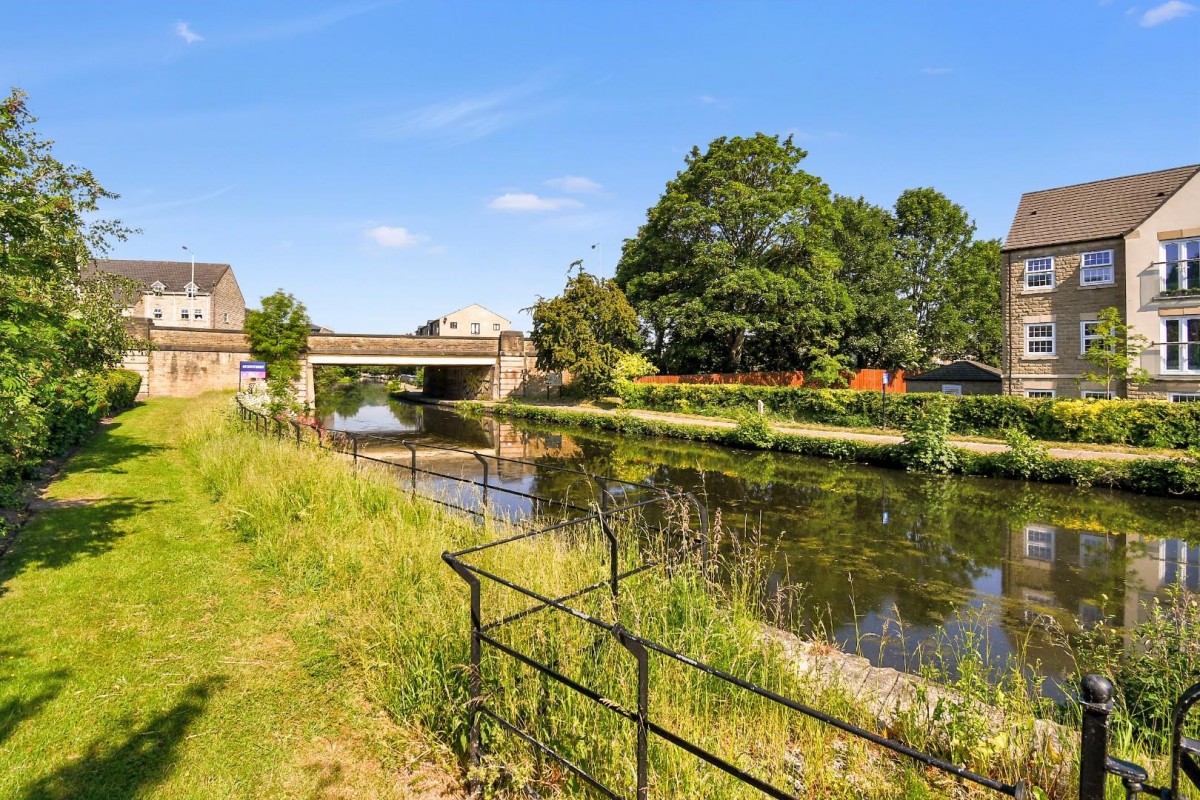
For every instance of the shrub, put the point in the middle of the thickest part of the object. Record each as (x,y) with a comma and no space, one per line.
(926,448)
(1024,457)
(121,387)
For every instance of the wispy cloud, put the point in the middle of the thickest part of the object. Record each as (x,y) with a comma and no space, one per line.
(399,238)
(184,31)
(936,70)
(524,201)
(461,120)
(300,26)
(169,204)
(1172,9)
(708,99)
(575,184)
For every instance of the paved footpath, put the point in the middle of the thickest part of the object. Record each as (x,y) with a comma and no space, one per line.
(871,438)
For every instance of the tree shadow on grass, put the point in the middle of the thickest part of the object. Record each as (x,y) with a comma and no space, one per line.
(110,449)
(67,531)
(46,685)
(143,760)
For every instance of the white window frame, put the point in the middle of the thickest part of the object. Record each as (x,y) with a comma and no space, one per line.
(1181,243)
(1185,397)
(157,287)
(1052,338)
(1102,260)
(954,389)
(1040,267)
(197,313)
(1039,542)
(191,289)
(1191,369)
(495,326)
(183,313)
(157,312)
(225,317)
(453,326)
(1095,394)
(1084,337)
(1040,394)
(474,328)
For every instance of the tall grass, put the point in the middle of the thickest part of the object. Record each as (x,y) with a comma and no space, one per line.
(367,556)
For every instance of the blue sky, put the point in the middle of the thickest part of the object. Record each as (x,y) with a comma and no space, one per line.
(388,162)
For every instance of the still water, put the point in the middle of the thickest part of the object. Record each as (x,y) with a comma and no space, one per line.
(880,559)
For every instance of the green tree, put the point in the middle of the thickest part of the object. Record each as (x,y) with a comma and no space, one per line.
(60,320)
(735,267)
(951,282)
(881,332)
(1113,352)
(278,335)
(585,331)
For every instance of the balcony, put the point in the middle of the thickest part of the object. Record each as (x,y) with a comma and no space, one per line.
(1179,279)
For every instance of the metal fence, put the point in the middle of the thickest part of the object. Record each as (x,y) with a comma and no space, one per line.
(1096,766)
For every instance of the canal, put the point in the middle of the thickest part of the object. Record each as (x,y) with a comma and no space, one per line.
(881,561)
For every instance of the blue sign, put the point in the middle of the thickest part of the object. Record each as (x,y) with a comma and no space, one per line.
(252,370)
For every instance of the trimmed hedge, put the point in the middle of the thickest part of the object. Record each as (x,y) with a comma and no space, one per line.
(121,387)
(1158,476)
(1137,423)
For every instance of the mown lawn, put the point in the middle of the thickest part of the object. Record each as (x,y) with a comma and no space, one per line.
(142,654)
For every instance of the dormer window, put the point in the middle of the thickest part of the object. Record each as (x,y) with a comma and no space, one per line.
(191,289)
(157,287)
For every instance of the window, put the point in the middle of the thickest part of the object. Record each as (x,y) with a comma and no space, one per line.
(157,287)
(1089,334)
(183,313)
(495,326)
(1181,344)
(952,388)
(453,326)
(1039,273)
(225,317)
(1039,339)
(1096,268)
(1089,395)
(157,312)
(191,289)
(1040,394)
(474,327)
(1181,265)
(1185,397)
(197,313)
(1039,542)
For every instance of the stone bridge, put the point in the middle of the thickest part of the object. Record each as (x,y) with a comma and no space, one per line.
(183,362)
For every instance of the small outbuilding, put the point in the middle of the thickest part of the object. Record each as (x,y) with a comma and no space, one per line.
(958,378)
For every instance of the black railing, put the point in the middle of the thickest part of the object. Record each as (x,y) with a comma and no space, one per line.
(1096,766)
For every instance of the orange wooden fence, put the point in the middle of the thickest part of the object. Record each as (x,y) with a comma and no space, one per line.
(867,379)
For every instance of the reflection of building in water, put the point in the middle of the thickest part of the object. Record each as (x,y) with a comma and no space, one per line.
(1049,567)
(512,442)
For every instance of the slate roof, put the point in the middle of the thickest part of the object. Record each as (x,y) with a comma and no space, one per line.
(1097,210)
(174,275)
(959,371)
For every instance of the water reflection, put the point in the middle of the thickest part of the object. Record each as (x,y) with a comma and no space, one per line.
(881,558)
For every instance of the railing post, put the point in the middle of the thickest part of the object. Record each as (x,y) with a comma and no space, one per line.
(638,650)
(484,462)
(476,678)
(354,444)
(1096,698)
(614,550)
(412,464)
(296,425)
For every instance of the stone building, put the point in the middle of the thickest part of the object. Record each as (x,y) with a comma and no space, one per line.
(1131,243)
(963,377)
(172,297)
(474,320)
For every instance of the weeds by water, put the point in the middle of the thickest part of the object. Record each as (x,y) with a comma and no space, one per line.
(368,556)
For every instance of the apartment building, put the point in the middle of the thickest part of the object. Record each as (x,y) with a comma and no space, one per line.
(173,294)
(1132,243)
(474,320)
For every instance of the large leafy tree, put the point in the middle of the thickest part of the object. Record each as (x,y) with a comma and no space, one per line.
(950,281)
(586,330)
(278,334)
(735,266)
(60,321)
(881,332)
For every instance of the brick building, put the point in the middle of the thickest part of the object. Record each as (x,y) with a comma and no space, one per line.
(170,296)
(1132,243)
(474,320)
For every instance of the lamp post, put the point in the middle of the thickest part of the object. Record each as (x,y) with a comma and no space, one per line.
(599,258)
(193,280)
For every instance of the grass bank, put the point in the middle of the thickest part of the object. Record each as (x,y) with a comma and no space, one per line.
(1177,477)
